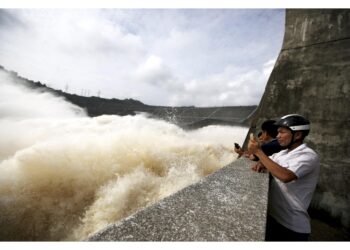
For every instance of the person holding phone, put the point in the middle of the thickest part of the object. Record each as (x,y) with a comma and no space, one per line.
(269,143)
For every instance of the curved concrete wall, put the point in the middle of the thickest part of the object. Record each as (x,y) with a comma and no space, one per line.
(312,77)
(229,205)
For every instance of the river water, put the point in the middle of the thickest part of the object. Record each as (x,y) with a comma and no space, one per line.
(64,176)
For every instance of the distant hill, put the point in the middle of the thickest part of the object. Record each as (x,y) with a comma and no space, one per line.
(187,117)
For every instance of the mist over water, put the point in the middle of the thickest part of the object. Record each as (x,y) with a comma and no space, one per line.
(64,176)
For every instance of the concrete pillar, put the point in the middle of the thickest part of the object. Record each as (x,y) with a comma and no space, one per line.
(312,77)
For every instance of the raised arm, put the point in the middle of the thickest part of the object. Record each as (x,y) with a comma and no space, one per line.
(281,173)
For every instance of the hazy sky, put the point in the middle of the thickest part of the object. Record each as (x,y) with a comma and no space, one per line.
(172,57)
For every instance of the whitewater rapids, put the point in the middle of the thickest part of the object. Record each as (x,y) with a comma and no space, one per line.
(64,176)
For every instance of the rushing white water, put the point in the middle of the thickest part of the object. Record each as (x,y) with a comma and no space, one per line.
(65,177)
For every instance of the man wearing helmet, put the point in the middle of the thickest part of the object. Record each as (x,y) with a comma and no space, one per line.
(294,173)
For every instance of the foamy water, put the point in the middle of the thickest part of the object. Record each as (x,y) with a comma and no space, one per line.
(68,177)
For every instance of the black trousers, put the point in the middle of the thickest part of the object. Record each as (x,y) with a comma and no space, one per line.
(277,232)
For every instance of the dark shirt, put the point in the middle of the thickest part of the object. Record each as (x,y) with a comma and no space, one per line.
(271,147)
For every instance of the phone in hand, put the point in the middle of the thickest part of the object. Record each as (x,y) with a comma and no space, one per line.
(237,146)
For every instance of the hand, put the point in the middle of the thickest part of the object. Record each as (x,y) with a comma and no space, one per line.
(253,144)
(239,151)
(247,155)
(253,157)
(258,167)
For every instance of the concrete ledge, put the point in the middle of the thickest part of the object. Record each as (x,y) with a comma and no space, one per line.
(229,205)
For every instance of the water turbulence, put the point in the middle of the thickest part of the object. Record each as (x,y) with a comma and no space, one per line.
(65,178)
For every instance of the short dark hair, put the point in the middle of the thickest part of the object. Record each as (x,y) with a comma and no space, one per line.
(270,128)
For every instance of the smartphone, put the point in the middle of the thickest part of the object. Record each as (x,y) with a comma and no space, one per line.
(237,146)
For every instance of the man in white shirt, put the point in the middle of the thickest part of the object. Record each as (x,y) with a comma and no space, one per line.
(294,173)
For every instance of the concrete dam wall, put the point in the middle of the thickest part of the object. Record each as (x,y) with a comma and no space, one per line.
(229,205)
(312,77)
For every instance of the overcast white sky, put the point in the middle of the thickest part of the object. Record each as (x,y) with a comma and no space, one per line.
(172,57)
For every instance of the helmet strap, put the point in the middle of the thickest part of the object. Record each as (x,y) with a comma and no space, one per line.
(292,142)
